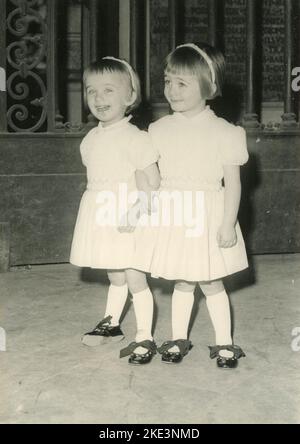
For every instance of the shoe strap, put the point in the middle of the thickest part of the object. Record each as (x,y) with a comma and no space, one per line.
(102,323)
(149,345)
(235,349)
(184,346)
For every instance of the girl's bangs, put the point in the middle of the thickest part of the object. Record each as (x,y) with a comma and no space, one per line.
(182,65)
(106,67)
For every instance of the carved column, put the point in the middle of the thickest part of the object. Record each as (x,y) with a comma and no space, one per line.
(89,31)
(250,119)
(55,119)
(289,116)
(3,123)
(89,40)
(134,33)
(212,22)
(147,51)
(173,24)
(298,59)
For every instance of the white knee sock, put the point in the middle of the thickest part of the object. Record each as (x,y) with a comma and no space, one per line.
(219,311)
(143,308)
(116,300)
(182,305)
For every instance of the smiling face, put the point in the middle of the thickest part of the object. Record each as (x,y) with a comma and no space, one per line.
(108,96)
(182,91)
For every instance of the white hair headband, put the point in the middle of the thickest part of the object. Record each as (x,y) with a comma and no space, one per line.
(204,55)
(129,68)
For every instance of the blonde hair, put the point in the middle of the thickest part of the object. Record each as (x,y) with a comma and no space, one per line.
(113,65)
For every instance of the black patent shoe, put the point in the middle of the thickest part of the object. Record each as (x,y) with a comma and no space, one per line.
(103,333)
(168,357)
(139,358)
(223,362)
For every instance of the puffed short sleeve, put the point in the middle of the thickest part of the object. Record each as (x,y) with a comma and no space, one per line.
(154,136)
(142,153)
(85,146)
(233,146)
(83,152)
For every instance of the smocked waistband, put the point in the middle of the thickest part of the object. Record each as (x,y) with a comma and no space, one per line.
(179,183)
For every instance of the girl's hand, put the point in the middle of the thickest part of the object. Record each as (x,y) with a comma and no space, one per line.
(130,220)
(226,236)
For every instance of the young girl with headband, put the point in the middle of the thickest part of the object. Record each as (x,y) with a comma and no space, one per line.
(197,152)
(113,153)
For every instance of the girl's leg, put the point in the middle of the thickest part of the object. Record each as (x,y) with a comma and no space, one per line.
(116,299)
(143,306)
(218,306)
(117,295)
(182,305)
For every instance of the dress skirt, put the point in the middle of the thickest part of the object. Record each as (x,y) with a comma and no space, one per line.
(96,245)
(189,250)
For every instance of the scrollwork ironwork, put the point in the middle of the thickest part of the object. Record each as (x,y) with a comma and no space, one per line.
(26,65)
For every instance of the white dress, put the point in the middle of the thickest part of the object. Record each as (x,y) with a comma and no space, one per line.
(192,153)
(111,155)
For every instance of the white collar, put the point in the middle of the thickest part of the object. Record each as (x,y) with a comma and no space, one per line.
(115,125)
(206,112)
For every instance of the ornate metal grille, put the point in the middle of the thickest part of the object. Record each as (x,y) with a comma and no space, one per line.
(36,76)
(27,65)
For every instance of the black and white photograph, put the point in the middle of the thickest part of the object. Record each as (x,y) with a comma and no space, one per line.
(149,214)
